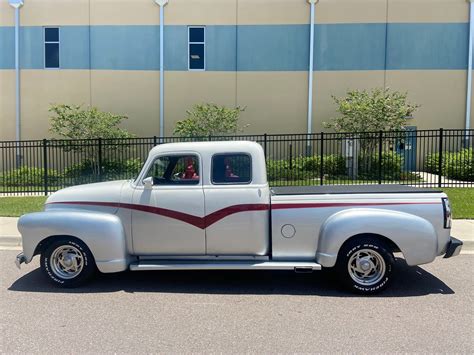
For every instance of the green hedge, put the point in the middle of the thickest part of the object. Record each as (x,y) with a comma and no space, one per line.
(302,168)
(455,165)
(27,176)
(76,174)
(392,166)
(110,170)
(432,163)
(334,166)
(284,170)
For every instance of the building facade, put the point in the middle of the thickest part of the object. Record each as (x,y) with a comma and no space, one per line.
(249,53)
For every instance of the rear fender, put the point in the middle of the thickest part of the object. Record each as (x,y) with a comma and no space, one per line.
(414,236)
(102,232)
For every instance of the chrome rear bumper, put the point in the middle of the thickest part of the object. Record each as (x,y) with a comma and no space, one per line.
(454,248)
(20,259)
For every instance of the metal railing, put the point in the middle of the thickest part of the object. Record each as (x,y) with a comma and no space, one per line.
(430,158)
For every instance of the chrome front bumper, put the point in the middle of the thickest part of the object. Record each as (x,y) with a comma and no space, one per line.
(20,259)
(454,248)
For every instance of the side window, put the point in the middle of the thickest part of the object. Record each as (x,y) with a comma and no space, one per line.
(231,169)
(51,47)
(196,48)
(175,170)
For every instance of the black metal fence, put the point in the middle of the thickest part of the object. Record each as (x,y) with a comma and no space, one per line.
(434,158)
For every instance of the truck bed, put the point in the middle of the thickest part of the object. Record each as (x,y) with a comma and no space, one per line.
(348,189)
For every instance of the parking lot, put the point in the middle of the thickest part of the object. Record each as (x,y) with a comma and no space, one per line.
(428,309)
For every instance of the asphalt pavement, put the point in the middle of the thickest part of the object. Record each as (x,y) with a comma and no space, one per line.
(428,309)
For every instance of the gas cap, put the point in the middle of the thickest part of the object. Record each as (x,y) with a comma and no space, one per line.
(288,231)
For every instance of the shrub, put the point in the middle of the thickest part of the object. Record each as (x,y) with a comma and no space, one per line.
(312,164)
(283,170)
(302,168)
(391,166)
(334,165)
(455,165)
(432,163)
(28,176)
(460,165)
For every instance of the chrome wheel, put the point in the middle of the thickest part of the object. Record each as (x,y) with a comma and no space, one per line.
(366,267)
(67,261)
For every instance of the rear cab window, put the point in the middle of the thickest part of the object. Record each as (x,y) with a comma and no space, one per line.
(231,168)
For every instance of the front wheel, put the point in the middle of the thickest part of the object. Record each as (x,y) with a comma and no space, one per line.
(67,262)
(365,265)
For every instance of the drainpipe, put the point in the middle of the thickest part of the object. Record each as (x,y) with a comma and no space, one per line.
(16,4)
(162,4)
(312,3)
(469,70)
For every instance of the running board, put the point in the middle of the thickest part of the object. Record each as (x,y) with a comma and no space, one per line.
(224,265)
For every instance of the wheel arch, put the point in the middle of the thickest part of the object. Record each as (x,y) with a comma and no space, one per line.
(414,236)
(46,242)
(102,233)
(390,244)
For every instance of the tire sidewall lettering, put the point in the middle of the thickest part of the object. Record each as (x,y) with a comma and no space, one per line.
(50,273)
(375,246)
(87,270)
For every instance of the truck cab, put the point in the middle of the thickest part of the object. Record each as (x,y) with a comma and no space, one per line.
(204,199)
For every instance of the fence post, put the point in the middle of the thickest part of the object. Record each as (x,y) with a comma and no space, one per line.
(100,159)
(440,160)
(380,156)
(265,145)
(45,166)
(321,160)
(291,156)
(154,141)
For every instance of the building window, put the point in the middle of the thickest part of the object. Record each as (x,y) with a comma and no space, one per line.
(51,47)
(196,48)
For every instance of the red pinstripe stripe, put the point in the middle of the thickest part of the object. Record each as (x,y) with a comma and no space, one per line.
(281,206)
(210,219)
(199,222)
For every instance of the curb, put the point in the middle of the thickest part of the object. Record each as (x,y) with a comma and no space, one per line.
(468,245)
(10,241)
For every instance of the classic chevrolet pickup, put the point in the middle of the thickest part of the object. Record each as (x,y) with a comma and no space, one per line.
(208,206)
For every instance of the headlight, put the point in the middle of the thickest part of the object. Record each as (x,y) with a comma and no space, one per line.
(447,213)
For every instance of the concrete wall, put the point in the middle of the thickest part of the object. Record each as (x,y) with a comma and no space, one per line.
(256,54)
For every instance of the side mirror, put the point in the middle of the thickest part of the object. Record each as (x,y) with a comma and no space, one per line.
(148,182)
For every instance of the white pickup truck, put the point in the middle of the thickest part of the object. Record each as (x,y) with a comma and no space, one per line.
(208,206)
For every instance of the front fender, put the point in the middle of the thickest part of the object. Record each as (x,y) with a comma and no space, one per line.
(415,237)
(102,232)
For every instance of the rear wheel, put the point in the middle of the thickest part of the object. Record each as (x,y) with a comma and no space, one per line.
(67,262)
(365,265)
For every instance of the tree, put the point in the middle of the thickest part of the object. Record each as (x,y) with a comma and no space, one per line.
(377,110)
(74,122)
(209,119)
(364,112)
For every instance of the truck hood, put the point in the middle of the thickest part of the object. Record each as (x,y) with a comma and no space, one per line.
(105,193)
